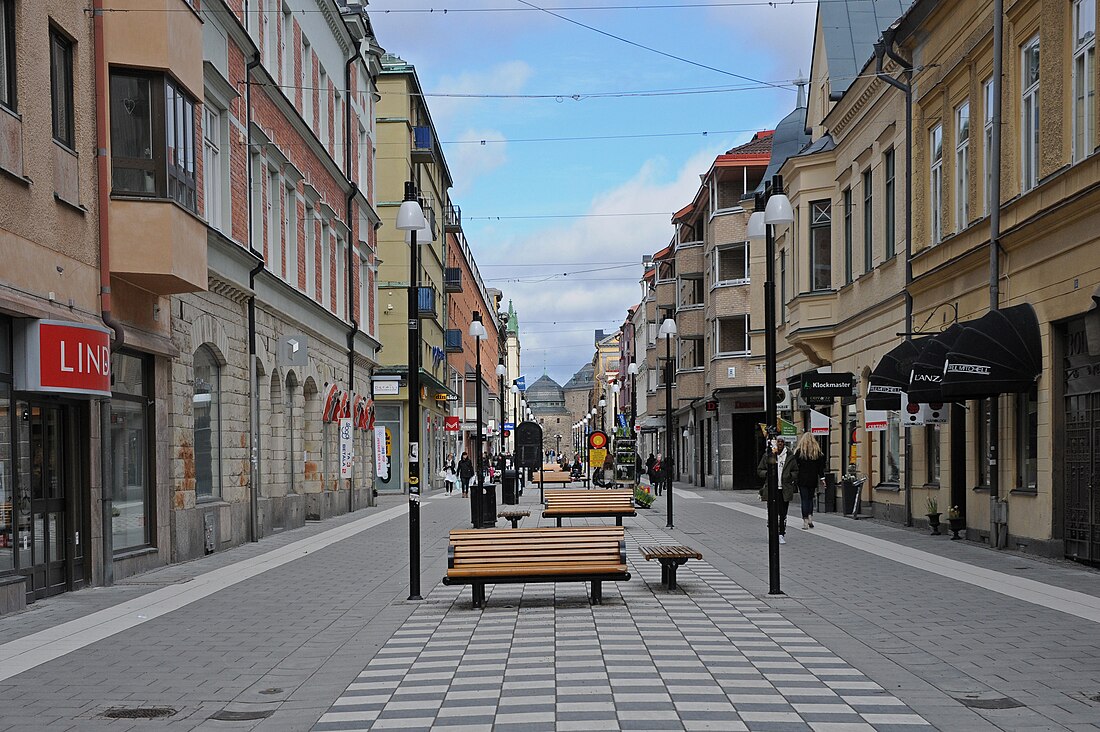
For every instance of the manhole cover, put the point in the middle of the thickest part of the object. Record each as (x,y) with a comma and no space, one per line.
(272,690)
(1095,698)
(138,712)
(1002,702)
(228,716)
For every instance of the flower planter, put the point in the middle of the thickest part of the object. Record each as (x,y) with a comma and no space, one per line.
(934,523)
(957,524)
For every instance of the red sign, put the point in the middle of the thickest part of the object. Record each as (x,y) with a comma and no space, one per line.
(64,358)
(597,440)
(452,424)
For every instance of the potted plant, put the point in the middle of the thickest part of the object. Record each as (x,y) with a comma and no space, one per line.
(642,497)
(957,522)
(934,516)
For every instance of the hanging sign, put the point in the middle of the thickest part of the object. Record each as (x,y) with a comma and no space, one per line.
(389,387)
(62,357)
(874,420)
(596,457)
(912,413)
(382,453)
(452,424)
(817,385)
(347,447)
(819,423)
(597,440)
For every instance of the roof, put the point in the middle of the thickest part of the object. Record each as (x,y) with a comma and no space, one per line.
(582,379)
(544,390)
(849,29)
(513,319)
(760,144)
(790,139)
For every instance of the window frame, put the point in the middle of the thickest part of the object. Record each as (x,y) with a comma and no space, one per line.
(889,164)
(1027,440)
(9,97)
(987,142)
(61,42)
(696,289)
(981,443)
(290,231)
(699,357)
(962,166)
(216,483)
(821,220)
(747,350)
(1029,115)
(868,220)
(847,203)
(147,404)
(213,165)
(890,445)
(935,184)
(1084,55)
(932,454)
(728,250)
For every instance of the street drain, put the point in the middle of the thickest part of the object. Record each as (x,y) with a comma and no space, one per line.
(1002,702)
(1095,698)
(138,712)
(227,716)
(272,690)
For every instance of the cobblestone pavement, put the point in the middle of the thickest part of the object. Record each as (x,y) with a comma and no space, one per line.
(860,641)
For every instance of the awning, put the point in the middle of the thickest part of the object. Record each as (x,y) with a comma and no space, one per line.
(926,375)
(999,353)
(891,376)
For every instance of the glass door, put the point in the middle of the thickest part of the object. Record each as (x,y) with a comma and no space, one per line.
(44,478)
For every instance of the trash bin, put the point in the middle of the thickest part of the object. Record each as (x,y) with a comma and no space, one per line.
(509,484)
(850,485)
(830,493)
(483,506)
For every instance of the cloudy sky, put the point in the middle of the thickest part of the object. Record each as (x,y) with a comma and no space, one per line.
(545,215)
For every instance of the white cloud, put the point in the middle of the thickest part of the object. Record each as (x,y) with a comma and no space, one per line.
(780,38)
(588,296)
(470,161)
(509,77)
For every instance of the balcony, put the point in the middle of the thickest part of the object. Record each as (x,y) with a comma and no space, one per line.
(157,36)
(690,385)
(452,340)
(452,279)
(425,307)
(422,145)
(691,323)
(452,222)
(170,263)
(689,259)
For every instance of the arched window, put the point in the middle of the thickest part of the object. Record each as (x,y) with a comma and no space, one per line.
(205,405)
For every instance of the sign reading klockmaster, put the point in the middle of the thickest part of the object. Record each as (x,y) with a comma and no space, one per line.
(819,385)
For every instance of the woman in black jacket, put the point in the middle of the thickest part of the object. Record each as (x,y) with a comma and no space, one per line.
(811,468)
(465,472)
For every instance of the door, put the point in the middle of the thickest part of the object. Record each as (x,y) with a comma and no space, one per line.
(1082,477)
(47,529)
(957,432)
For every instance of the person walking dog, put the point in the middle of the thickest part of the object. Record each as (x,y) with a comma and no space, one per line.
(811,469)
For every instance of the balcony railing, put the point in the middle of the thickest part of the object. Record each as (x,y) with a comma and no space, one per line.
(452,340)
(426,302)
(453,219)
(452,279)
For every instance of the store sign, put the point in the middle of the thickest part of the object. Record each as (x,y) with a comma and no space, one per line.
(874,420)
(382,453)
(452,424)
(386,388)
(827,385)
(63,358)
(347,448)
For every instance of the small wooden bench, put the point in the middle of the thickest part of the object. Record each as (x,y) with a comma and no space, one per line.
(585,504)
(670,558)
(552,476)
(593,554)
(513,516)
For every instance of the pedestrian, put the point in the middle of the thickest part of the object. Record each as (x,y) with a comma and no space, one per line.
(649,461)
(578,469)
(465,473)
(656,474)
(449,477)
(787,465)
(811,469)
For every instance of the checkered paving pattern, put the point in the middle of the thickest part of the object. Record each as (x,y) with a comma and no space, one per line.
(710,656)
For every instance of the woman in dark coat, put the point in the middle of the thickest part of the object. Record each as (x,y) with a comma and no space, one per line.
(465,472)
(811,468)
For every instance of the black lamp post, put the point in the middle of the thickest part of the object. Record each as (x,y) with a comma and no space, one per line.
(772,209)
(478,333)
(410,218)
(668,330)
(632,369)
(501,371)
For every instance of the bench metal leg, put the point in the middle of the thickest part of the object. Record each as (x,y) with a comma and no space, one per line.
(618,520)
(515,523)
(597,592)
(664,573)
(478,589)
(672,575)
(559,523)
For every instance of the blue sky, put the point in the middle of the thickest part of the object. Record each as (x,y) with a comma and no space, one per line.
(528,52)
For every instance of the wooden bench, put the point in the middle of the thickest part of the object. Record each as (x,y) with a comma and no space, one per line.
(514,516)
(670,558)
(585,504)
(552,476)
(593,554)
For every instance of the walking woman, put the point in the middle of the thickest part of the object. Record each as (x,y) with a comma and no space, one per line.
(811,469)
(465,473)
(787,467)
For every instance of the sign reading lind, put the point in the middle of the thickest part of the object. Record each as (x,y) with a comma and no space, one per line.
(827,385)
(63,358)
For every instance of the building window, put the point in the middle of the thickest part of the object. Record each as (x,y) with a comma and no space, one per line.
(366,320)
(821,245)
(341,286)
(981,442)
(890,450)
(868,220)
(691,353)
(932,454)
(847,235)
(1027,440)
(732,335)
(326,263)
(890,195)
(1029,85)
(306,81)
(962,166)
(206,409)
(731,264)
(666,270)
(782,286)
(274,251)
(690,292)
(131,456)
(212,168)
(61,88)
(7,54)
(311,251)
(1084,73)
(987,142)
(290,238)
(935,198)
(152,138)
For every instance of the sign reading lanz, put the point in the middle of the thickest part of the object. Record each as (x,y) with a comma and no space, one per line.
(63,358)
(827,385)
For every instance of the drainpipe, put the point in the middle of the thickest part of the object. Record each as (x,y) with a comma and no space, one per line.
(106,502)
(887,46)
(353,188)
(253,385)
(998,532)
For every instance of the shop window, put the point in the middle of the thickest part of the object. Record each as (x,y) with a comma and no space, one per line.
(152,138)
(131,452)
(7,53)
(932,454)
(206,408)
(890,451)
(61,88)
(981,442)
(7,492)
(821,246)
(1027,440)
